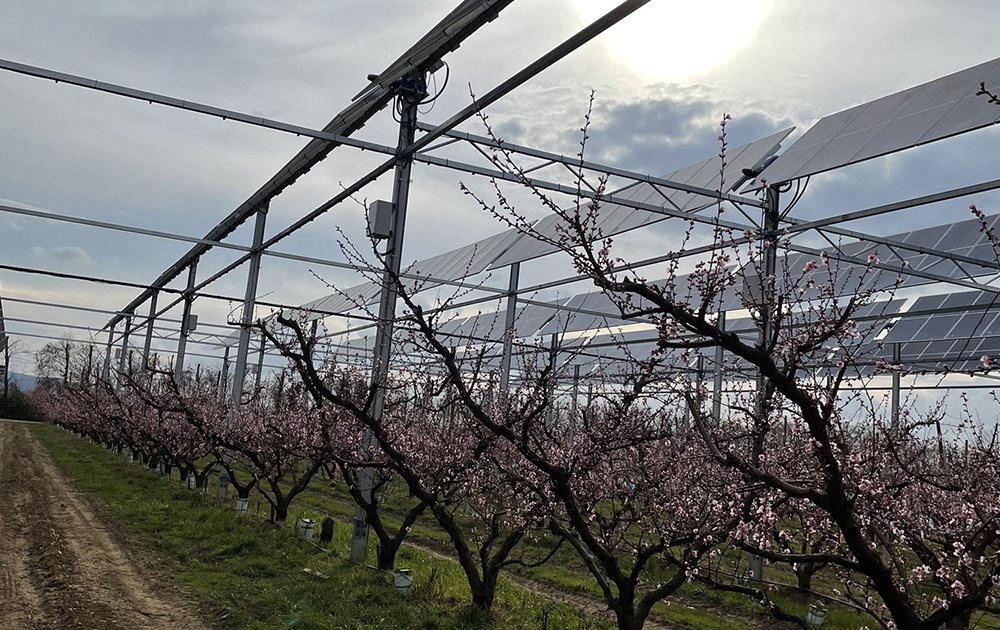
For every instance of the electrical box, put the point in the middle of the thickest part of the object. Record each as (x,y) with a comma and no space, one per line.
(192,323)
(380,219)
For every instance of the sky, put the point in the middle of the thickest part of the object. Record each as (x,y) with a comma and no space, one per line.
(662,79)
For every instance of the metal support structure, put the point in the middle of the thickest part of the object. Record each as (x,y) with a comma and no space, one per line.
(149,330)
(699,377)
(718,382)
(106,369)
(553,362)
(4,354)
(239,376)
(770,222)
(246,319)
(224,374)
(896,376)
(185,322)
(576,386)
(508,327)
(408,102)
(260,363)
(124,355)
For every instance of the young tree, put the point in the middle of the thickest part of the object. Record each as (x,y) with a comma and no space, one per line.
(439,457)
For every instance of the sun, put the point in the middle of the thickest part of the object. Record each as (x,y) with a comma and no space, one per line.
(669,40)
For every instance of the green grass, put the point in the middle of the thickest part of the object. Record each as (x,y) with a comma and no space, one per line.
(247,573)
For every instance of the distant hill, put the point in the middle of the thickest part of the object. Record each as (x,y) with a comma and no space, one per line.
(24,382)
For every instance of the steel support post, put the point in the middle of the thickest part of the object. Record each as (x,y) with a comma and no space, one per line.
(896,360)
(508,327)
(185,322)
(124,355)
(717,385)
(769,232)
(243,348)
(553,362)
(106,369)
(409,100)
(576,386)
(260,363)
(249,300)
(224,374)
(699,376)
(149,330)
(88,379)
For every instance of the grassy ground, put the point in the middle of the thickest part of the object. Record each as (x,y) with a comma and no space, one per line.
(694,606)
(249,574)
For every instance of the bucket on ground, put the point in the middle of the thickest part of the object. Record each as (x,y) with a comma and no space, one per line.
(130,458)
(816,614)
(241,504)
(306,528)
(402,579)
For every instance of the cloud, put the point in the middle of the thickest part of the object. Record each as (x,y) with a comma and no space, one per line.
(69,254)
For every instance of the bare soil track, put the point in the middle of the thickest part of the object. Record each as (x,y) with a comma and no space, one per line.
(61,565)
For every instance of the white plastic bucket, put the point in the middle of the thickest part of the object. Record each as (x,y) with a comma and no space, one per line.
(306,528)
(816,615)
(402,579)
(241,504)
(130,458)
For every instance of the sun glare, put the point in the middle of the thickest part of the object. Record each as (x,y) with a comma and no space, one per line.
(668,40)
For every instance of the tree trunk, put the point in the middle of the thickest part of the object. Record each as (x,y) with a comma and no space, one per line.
(485,591)
(201,479)
(804,574)
(279,511)
(387,549)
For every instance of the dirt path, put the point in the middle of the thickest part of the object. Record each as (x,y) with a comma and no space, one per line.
(60,567)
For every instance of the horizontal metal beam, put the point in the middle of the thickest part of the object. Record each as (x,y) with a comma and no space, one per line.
(898,269)
(556,158)
(801,226)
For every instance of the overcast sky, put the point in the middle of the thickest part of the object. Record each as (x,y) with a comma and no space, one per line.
(663,80)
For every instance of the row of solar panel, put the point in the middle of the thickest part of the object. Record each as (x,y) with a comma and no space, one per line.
(935,110)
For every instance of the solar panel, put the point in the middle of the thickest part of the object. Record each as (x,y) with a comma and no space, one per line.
(953,321)
(420,53)
(705,174)
(925,113)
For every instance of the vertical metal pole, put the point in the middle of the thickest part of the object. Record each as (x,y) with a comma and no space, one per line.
(508,329)
(720,357)
(387,303)
(224,374)
(896,360)
(699,375)
(576,385)
(88,379)
(149,330)
(4,353)
(769,234)
(249,300)
(243,348)
(106,370)
(553,361)
(124,355)
(260,363)
(185,323)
